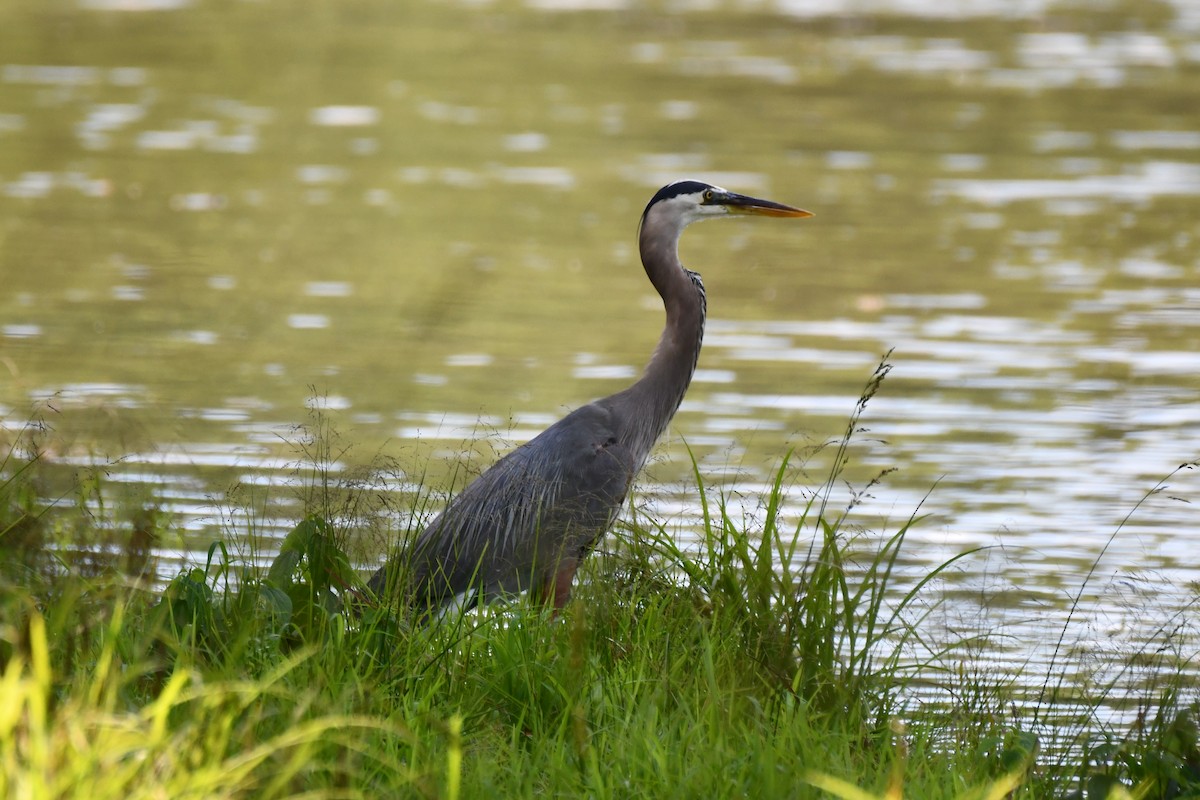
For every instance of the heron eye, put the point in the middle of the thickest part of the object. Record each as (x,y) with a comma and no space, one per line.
(708,195)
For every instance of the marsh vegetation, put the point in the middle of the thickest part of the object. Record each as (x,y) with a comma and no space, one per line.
(774,660)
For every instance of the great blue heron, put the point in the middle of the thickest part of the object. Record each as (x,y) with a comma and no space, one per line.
(528,521)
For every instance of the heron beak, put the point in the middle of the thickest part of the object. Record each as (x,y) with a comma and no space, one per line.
(741,204)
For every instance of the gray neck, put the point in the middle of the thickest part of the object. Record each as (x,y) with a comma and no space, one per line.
(648,405)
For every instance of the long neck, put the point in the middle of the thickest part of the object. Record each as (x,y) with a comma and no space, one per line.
(653,400)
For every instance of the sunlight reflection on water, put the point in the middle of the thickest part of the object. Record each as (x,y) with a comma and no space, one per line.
(1012,211)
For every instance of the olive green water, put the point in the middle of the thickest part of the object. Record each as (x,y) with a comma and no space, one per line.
(423,214)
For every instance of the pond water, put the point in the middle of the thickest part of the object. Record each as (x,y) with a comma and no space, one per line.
(420,217)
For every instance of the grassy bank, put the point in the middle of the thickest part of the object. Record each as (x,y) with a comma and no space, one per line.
(769,662)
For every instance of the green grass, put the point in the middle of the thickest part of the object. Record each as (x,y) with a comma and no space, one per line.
(774,661)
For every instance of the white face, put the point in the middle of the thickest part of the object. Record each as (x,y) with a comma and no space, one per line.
(692,207)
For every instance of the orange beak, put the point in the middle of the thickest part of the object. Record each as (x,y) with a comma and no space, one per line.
(741,204)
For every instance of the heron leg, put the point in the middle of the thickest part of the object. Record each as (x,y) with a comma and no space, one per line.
(557,588)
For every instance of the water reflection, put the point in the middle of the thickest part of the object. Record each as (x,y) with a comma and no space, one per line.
(442,252)
(1147,181)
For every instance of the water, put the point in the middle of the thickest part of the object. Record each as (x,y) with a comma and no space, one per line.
(420,217)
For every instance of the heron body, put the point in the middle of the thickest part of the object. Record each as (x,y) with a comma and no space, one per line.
(527,522)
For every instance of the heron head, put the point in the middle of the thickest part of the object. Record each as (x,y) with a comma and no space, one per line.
(683,202)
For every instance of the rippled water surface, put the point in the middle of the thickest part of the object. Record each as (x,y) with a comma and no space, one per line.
(420,217)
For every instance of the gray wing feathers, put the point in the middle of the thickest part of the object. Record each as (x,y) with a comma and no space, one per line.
(551,498)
